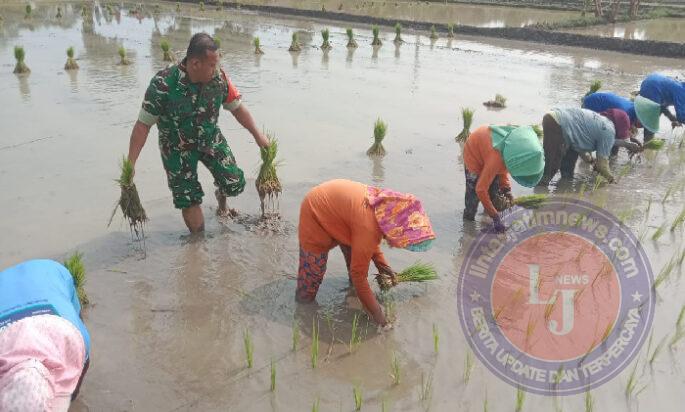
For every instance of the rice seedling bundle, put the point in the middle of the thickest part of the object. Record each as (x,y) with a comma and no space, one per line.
(178,7)
(217,41)
(500,102)
(166,49)
(267,183)
(129,202)
(395,370)
(376,40)
(520,399)
(249,347)
(358,397)
(594,87)
(59,13)
(398,34)
(124,61)
(434,33)
(74,265)
(273,376)
(355,336)
(202,6)
(315,405)
(450,31)
(467,117)
(71,62)
(326,44)
(655,144)
(379,130)
(257,49)
(19,55)
(219,5)
(295,44)
(418,272)
(28,11)
(351,42)
(531,201)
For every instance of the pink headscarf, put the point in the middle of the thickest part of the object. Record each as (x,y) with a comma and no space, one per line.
(620,120)
(400,217)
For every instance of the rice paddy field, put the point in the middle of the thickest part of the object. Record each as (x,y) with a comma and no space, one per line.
(211,324)
(667,29)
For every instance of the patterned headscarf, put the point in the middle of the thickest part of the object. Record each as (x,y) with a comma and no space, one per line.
(401,218)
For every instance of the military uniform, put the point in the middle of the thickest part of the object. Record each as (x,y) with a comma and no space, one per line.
(186,115)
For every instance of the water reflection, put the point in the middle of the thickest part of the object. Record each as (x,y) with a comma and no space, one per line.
(350,56)
(24,89)
(377,170)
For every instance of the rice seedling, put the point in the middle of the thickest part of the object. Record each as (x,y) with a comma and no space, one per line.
(315,343)
(84,11)
(418,272)
(594,87)
(668,193)
(679,328)
(434,33)
(217,41)
(436,338)
(219,5)
(426,389)
(589,401)
(398,34)
(379,130)
(395,371)
(664,273)
(296,335)
(71,62)
(202,6)
(450,31)
(654,144)
(59,13)
(468,366)
(109,9)
(75,266)
(500,102)
(599,179)
(376,40)
(355,337)
(384,405)
(531,201)
(467,118)
(358,397)
(351,42)
(326,44)
(485,402)
(657,351)
(178,7)
(124,61)
(678,221)
(257,49)
(28,11)
(249,347)
(315,405)
(166,49)
(632,380)
(20,55)
(273,376)
(520,399)
(129,201)
(295,44)
(267,182)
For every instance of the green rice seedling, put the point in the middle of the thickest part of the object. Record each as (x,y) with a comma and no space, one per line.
(202,6)
(485,402)
(326,44)
(664,273)
(217,41)
(267,182)
(84,11)
(538,130)
(124,61)
(28,11)
(450,31)
(315,405)
(315,343)
(295,44)
(678,221)
(434,33)
(166,49)
(531,201)
(59,13)
(355,337)
(395,371)
(351,42)
(129,201)
(467,117)
(589,401)
(296,335)
(219,5)
(436,338)
(379,130)
(426,389)
(418,272)
(249,347)
(632,381)
(668,193)
(594,87)
(358,397)
(273,376)
(384,405)
(679,328)
(71,62)
(599,179)
(657,350)
(21,66)
(655,144)
(257,47)
(178,7)
(398,34)
(468,366)
(376,40)
(520,399)
(75,266)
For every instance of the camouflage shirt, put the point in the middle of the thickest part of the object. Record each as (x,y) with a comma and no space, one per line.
(186,113)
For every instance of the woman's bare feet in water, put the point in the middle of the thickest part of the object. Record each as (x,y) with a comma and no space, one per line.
(223,210)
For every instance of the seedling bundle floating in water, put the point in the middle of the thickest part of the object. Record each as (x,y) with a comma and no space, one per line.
(398,34)
(71,62)
(500,102)
(19,55)
(351,42)
(168,56)
(434,34)
(376,40)
(594,87)
(124,59)
(467,117)
(59,13)
(74,265)
(531,201)
(379,130)
(325,45)
(257,49)
(267,183)
(295,44)
(655,144)
(418,272)
(28,12)
(129,202)
(450,31)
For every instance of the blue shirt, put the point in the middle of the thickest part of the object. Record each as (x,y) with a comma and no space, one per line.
(38,287)
(666,92)
(586,131)
(602,101)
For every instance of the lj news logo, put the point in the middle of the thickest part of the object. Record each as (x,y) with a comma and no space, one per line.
(559,304)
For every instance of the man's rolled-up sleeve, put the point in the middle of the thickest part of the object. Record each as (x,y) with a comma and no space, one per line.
(153,103)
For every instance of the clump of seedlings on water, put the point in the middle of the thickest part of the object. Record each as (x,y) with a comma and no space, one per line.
(166,49)
(75,266)
(450,31)
(398,34)
(249,348)
(500,102)
(358,397)
(267,182)
(59,13)
(29,10)
(654,144)
(326,44)
(531,201)
(395,370)
(351,42)
(418,272)
(20,55)
(257,46)
(124,61)
(129,201)
(202,6)
(376,40)
(467,118)
(315,344)
(295,44)
(379,130)
(71,62)
(594,87)
(178,7)
(434,33)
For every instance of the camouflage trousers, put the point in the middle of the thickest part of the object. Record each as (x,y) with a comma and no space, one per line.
(181,170)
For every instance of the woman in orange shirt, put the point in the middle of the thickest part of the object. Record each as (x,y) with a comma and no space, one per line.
(356,217)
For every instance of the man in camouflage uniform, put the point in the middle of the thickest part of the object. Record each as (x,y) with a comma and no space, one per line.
(184,101)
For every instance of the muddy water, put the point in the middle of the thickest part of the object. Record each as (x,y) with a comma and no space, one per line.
(666,29)
(168,329)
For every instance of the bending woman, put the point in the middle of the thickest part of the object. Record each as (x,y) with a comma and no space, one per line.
(356,217)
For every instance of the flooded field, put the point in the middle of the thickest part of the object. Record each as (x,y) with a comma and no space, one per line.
(665,29)
(168,329)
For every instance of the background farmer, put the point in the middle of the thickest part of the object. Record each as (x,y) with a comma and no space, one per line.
(666,92)
(356,217)
(184,101)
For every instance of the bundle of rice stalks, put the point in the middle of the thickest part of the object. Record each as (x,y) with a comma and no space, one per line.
(129,202)
(21,67)
(28,11)
(500,102)
(326,45)
(538,130)
(351,42)
(219,5)
(71,62)
(168,56)
(202,6)
(450,31)
(122,54)
(594,87)
(376,40)
(257,48)
(74,265)
(531,201)
(655,144)
(267,183)
(434,34)
(418,272)
(467,117)
(379,130)
(295,44)
(59,13)
(178,7)
(398,34)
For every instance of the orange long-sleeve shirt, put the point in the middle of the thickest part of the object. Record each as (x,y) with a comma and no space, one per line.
(485,161)
(336,212)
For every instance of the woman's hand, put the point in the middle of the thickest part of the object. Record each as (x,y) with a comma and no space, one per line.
(385,270)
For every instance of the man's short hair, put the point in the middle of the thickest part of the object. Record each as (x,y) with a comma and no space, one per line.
(199,45)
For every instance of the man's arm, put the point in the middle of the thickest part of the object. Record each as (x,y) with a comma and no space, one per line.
(138,139)
(243,116)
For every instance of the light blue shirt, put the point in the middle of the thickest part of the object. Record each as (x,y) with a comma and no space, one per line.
(586,131)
